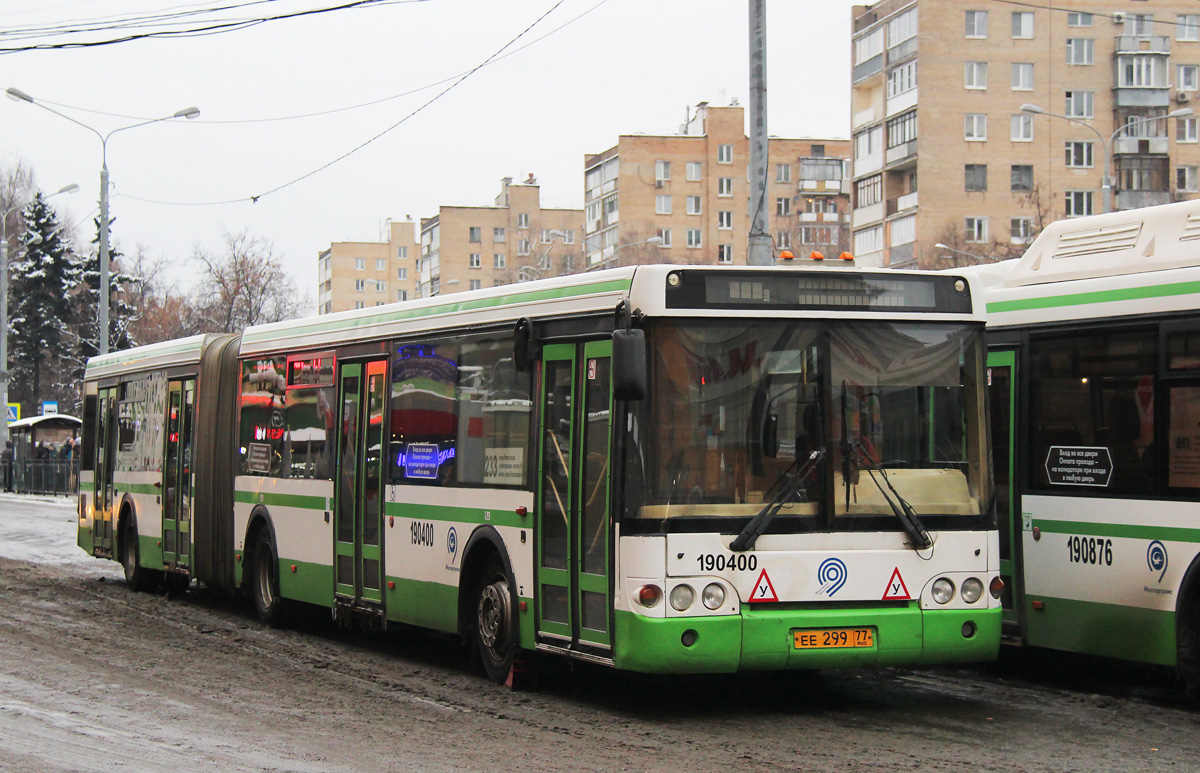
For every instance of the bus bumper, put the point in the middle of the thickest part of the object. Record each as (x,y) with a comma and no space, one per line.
(763,639)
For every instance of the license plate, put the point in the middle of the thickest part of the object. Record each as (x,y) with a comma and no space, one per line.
(829,638)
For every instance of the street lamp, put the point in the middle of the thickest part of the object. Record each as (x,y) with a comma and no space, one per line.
(941,246)
(604,262)
(4,304)
(1106,145)
(187,112)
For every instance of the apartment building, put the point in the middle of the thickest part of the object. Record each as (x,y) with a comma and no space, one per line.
(685,198)
(1022,115)
(515,240)
(354,275)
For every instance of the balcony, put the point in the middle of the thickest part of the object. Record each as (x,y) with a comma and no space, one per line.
(1138,199)
(902,203)
(1143,44)
(900,153)
(1141,146)
(872,213)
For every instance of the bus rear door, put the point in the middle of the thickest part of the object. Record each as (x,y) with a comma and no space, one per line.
(574,590)
(177,473)
(102,482)
(1002,389)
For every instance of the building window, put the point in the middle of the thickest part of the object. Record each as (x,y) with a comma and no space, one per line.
(381,264)
(665,235)
(1141,173)
(1139,24)
(902,129)
(724,154)
(360,305)
(975,127)
(1185,178)
(1185,77)
(1020,230)
(783,206)
(498,260)
(902,79)
(821,204)
(523,220)
(868,191)
(1022,128)
(902,27)
(868,240)
(1079,104)
(783,240)
(976,229)
(1080,50)
(1146,71)
(662,205)
(868,143)
(402,252)
(498,235)
(402,295)
(523,247)
(1079,203)
(783,173)
(1022,177)
(693,237)
(568,236)
(475,284)
(474,235)
(402,273)
(1079,154)
(360,264)
(975,177)
(1186,129)
(1022,76)
(1187,26)
(975,75)
(360,285)
(869,46)
(821,168)
(725,186)
(662,171)
(1076,19)
(817,234)
(693,205)
(976,24)
(474,261)
(693,171)
(1022,24)
(724,220)
(724,253)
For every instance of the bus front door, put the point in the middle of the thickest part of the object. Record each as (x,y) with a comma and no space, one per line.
(177,474)
(102,482)
(1002,386)
(358,494)
(574,550)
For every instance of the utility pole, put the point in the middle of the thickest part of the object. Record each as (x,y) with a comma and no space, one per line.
(760,251)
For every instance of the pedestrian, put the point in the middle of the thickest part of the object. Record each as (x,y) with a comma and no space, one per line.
(63,475)
(6,461)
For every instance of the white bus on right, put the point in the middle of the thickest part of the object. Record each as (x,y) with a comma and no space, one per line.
(1094,383)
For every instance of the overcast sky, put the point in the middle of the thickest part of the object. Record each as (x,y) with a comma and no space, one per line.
(587,72)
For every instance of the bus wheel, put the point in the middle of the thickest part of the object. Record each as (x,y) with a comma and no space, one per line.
(136,576)
(1187,637)
(265,584)
(495,627)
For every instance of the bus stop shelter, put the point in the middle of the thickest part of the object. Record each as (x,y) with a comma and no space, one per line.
(49,471)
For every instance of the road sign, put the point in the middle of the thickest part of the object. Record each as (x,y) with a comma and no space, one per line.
(14,412)
(49,406)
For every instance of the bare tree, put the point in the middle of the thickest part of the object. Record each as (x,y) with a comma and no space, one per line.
(163,312)
(245,285)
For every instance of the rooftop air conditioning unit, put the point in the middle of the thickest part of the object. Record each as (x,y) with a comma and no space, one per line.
(1118,18)
(1182,96)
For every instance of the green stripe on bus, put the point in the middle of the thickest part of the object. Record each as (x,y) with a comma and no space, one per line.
(1102,296)
(136,488)
(280,500)
(1109,630)
(457,514)
(1130,531)
(399,315)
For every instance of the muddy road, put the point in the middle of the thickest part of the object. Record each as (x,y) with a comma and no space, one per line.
(93,677)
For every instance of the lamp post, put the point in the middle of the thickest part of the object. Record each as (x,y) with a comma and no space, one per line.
(941,246)
(4,305)
(187,112)
(1106,144)
(604,263)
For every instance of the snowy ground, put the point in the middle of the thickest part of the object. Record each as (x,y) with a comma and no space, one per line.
(41,529)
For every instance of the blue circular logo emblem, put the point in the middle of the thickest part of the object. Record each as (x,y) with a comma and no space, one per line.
(832,576)
(452,542)
(1156,558)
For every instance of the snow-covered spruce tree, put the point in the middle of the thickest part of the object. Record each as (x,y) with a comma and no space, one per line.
(86,302)
(44,275)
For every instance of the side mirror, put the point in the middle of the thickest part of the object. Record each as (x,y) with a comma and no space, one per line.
(770,436)
(629,364)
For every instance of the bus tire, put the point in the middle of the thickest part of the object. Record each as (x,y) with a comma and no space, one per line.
(137,577)
(495,620)
(264,586)
(1187,639)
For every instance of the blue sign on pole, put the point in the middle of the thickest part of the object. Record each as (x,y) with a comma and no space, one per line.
(49,406)
(14,412)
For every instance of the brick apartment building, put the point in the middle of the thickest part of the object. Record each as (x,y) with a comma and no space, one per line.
(354,275)
(1018,112)
(685,198)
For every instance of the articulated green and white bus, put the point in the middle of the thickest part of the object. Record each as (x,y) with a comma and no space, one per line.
(1094,366)
(659,468)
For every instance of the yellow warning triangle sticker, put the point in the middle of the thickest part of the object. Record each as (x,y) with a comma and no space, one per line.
(763,589)
(896,589)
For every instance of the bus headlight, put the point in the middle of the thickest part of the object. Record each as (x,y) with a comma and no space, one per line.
(943,590)
(682,597)
(972,589)
(713,596)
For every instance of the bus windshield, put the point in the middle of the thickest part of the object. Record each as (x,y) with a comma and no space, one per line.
(735,409)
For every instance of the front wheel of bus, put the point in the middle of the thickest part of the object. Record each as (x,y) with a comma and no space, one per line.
(137,577)
(495,626)
(265,583)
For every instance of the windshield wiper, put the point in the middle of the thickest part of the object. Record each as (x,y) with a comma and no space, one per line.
(904,511)
(745,540)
